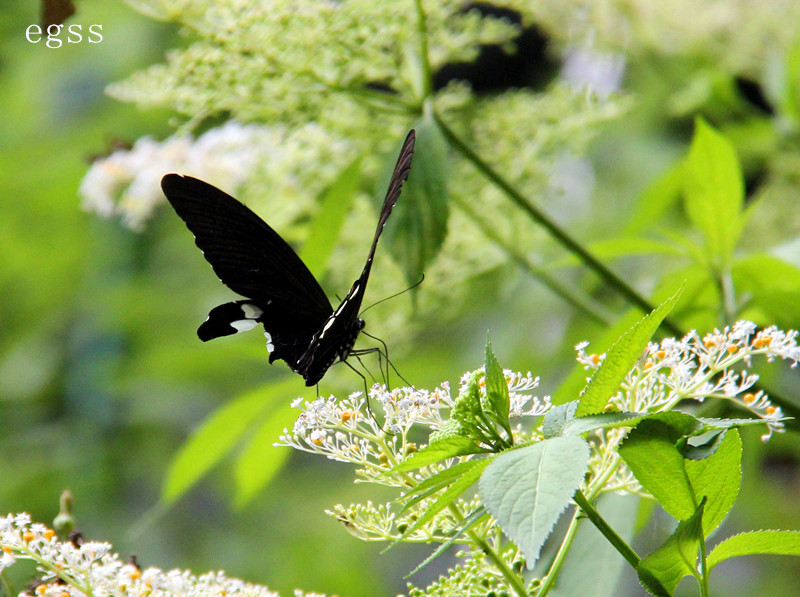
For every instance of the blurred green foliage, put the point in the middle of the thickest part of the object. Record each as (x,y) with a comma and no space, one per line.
(102,379)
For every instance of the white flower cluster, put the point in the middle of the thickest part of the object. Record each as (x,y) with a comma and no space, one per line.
(127,182)
(699,368)
(90,568)
(348,431)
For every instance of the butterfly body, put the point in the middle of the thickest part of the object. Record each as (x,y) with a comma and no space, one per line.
(250,258)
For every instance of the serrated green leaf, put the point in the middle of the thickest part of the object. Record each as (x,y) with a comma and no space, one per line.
(496,390)
(717,478)
(651,454)
(419,224)
(459,483)
(215,438)
(756,543)
(447,447)
(582,425)
(557,417)
(680,424)
(440,480)
(327,224)
(260,461)
(676,558)
(527,489)
(620,358)
(714,191)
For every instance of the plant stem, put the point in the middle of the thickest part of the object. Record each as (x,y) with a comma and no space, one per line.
(514,580)
(590,307)
(618,542)
(543,220)
(558,561)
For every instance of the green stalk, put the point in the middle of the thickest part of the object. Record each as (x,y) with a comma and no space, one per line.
(511,577)
(583,303)
(543,220)
(598,521)
(561,555)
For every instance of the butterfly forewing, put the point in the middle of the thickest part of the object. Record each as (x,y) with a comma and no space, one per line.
(248,256)
(339,332)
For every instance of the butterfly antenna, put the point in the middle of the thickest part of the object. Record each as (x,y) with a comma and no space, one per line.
(394,295)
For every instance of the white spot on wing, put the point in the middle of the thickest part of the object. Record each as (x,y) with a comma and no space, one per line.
(251,311)
(270,345)
(242,325)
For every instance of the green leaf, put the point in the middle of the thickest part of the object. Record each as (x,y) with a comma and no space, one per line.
(216,437)
(717,478)
(651,454)
(441,480)
(557,417)
(496,390)
(260,461)
(772,284)
(676,558)
(327,224)
(620,358)
(714,191)
(756,543)
(468,474)
(656,199)
(447,447)
(527,489)
(419,224)
(561,421)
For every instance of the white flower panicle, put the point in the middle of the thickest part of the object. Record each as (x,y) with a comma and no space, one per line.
(127,182)
(701,368)
(91,568)
(348,431)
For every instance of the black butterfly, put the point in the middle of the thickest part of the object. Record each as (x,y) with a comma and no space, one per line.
(253,260)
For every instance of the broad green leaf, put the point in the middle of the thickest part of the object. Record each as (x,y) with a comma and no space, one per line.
(419,223)
(216,437)
(496,389)
(651,454)
(261,460)
(560,421)
(557,417)
(327,224)
(447,447)
(676,558)
(756,543)
(680,424)
(527,489)
(773,285)
(581,425)
(593,566)
(714,191)
(619,360)
(701,446)
(656,199)
(717,479)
